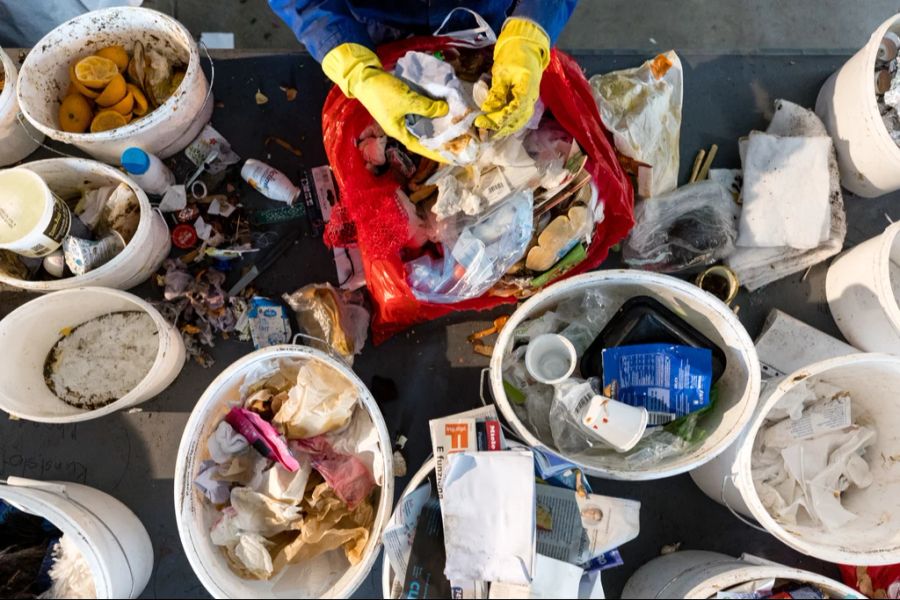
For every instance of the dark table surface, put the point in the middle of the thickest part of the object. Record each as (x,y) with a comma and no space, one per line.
(132,455)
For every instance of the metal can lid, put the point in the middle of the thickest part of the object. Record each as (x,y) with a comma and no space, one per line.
(184,236)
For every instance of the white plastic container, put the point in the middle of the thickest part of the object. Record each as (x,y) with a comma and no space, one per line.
(141,257)
(738,387)
(111,538)
(29,333)
(147,170)
(316,578)
(863,287)
(17,140)
(550,358)
(874,537)
(269,181)
(868,158)
(699,574)
(163,131)
(34,220)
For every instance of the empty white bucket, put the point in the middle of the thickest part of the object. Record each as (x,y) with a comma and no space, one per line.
(316,578)
(16,140)
(141,257)
(700,574)
(874,537)
(110,537)
(738,386)
(869,159)
(863,287)
(28,333)
(164,131)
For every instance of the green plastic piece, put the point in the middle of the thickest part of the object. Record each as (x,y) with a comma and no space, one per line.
(574,256)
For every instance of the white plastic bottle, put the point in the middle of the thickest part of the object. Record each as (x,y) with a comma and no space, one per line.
(269,181)
(147,170)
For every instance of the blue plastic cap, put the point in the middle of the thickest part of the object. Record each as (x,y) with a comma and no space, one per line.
(135,161)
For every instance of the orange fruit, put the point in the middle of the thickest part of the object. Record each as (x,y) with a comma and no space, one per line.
(114,92)
(80,87)
(140,100)
(95,71)
(125,105)
(117,54)
(106,120)
(75,113)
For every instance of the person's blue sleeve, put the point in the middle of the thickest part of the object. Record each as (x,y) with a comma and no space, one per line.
(552,15)
(321,24)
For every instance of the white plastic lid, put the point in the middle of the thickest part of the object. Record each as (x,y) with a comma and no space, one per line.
(23,199)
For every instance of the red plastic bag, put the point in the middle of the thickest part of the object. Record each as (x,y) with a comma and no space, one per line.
(370,216)
(873,582)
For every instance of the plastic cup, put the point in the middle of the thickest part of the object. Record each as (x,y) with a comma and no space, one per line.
(550,358)
(85,255)
(617,424)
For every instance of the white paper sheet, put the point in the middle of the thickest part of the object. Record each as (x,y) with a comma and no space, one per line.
(552,579)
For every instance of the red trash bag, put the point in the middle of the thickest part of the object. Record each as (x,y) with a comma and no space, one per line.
(874,582)
(369,215)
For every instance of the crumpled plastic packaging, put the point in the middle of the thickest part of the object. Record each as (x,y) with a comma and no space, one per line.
(258,513)
(321,401)
(477,252)
(247,552)
(285,486)
(691,227)
(347,475)
(453,135)
(642,108)
(335,319)
(110,208)
(225,442)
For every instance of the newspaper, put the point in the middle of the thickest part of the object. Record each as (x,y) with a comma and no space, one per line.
(477,429)
(398,536)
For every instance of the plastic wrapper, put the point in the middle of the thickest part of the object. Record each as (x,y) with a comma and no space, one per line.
(642,107)
(873,582)
(691,227)
(321,401)
(476,254)
(369,216)
(335,319)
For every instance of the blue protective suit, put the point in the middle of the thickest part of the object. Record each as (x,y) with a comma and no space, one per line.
(323,24)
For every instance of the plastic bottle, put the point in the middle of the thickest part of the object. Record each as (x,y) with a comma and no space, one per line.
(269,181)
(147,170)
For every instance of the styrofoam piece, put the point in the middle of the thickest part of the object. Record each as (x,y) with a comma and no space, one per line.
(550,358)
(17,140)
(738,388)
(874,537)
(700,574)
(862,288)
(30,332)
(109,536)
(868,158)
(141,257)
(327,576)
(164,131)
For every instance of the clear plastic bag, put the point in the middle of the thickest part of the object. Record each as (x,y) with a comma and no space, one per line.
(477,252)
(691,227)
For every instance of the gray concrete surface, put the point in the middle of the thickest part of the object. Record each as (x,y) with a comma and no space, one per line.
(709,25)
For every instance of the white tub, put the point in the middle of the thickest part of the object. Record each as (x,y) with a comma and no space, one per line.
(17,140)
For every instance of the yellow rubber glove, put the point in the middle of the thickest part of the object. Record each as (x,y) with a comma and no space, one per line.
(521,54)
(359,74)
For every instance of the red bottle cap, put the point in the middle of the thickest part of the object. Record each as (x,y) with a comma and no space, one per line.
(184,236)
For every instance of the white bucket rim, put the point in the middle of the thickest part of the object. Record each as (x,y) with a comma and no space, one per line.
(152,118)
(183,488)
(883,287)
(583,282)
(10,73)
(742,468)
(113,264)
(870,51)
(163,328)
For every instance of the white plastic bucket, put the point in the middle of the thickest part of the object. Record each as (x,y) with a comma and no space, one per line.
(164,131)
(863,287)
(109,536)
(28,333)
(17,140)
(141,257)
(738,386)
(868,158)
(315,578)
(874,537)
(700,574)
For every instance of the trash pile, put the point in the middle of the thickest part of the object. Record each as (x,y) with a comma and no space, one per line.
(887,83)
(294,470)
(773,588)
(86,231)
(507,215)
(592,380)
(100,98)
(98,362)
(502,521)
(809,452)
(38,561)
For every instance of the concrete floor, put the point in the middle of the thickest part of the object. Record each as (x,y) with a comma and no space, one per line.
(644,25)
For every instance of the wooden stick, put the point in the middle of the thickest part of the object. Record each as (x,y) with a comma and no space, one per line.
(698,163)
(710,157)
